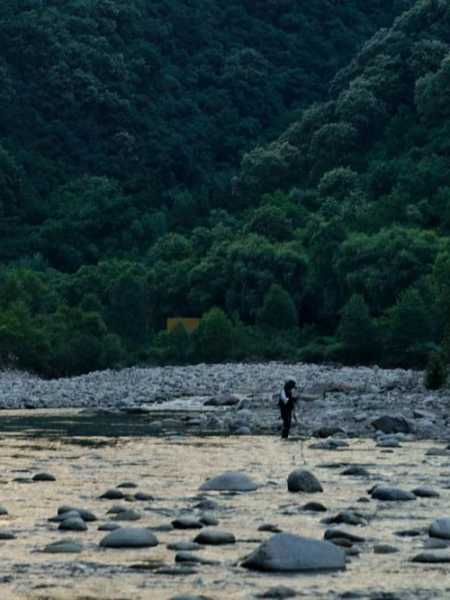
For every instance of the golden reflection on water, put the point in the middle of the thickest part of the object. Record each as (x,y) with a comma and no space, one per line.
(172,469)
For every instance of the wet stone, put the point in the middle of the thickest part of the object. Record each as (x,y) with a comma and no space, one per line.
(64,547)
(3,511)
(433,556)
(285,552)
(440,528)
(187,523)
(184,546)
(269,527)
(7,535)
(356,471)
(44,477)
(127,515)
(230,481)
(384,549)
(215,537)
(425,492)
(279,592)
(314,507)
(142,497)
(127,485)
(73,524)
(113,494)
(335,533)
(183,557)
(391,494)
(301,480)
(108,526)
(129,537)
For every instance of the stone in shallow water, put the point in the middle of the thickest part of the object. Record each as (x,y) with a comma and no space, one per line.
(279,592)
(425,492)
(314,507)
(86,515)
(44,477)
(301,480)
(3,511)
(73,524)
(390,424)
(6,535)
(187,596)
(109,526)
(187,523)
(206,504)
(64,547)
(384,549)
(435,544)
(129,537)
(292,553)
(71,514)
(232,481)
(127,485)
(183,557)
(127,515)
(391,494)
(440,528)
(215,537)
(142,497)
(112,494)
(334,534)
(433,556)
(269,527)
(356,471)
(184,546)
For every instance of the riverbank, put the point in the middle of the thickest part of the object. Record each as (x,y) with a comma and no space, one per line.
(239,398)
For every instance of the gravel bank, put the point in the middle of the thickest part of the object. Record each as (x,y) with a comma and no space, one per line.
(343,397)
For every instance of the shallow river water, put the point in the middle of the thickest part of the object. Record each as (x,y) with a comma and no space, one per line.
(171,469)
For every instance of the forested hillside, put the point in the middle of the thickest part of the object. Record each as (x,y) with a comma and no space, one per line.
(330,243)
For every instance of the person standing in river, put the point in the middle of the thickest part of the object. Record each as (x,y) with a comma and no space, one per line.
(286,403)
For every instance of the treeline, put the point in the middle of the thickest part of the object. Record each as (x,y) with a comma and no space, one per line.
(332,244)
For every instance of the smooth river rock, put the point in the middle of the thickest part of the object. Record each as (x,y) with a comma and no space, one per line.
(392,424)
(301,480)
(64,547)
(292,553)
(129,537)
(73,524)
(215,537)
(231,481)
(440,528)
(391,494)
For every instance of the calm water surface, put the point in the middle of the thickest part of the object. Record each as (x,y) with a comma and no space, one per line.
(88,456)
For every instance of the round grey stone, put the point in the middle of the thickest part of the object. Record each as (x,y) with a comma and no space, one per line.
(391,494)
(301,480)
(44,477)
(129,537)
(73,524)
(440,528)
(292,553)
(215,537)
(232,481)
(64,547)
(187,523)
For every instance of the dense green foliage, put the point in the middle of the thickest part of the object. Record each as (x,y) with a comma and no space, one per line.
(331,242)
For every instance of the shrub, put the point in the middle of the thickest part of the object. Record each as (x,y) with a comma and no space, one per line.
(436,372)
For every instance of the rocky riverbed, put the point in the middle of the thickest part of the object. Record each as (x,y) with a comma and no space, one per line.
(195,540)
(239,398)
(108,486)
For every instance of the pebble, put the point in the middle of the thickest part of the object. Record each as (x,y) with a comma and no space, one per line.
(64,547)
(73,524)
(44,477)
(301,480)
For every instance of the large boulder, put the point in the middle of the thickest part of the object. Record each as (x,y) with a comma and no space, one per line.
(129,537)
(301,480)
(389,424)
(231,481)
(292,553)
(391,494)
(440,528)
